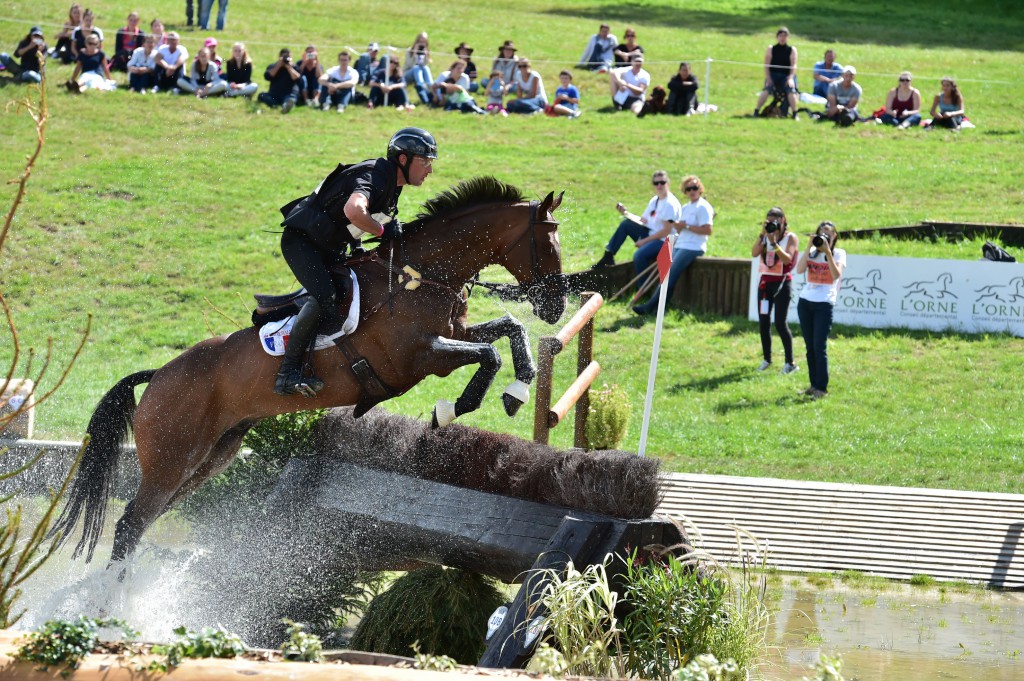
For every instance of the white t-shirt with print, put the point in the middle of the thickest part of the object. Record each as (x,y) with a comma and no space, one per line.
(334,75)
(659,210)
(820,287)
(642,80)
(695,213)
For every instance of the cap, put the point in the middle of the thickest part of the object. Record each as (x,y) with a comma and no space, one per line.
(35,31)
(210,42)
(850,69)
(373,47)
(509,44)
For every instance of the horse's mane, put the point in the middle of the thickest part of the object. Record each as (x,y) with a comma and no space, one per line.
(476,190)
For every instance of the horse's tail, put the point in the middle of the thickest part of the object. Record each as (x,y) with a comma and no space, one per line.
(108,429)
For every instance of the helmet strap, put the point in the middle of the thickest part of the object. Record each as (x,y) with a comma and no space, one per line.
(404,167)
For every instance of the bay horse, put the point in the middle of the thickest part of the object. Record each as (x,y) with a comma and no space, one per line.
(191,419)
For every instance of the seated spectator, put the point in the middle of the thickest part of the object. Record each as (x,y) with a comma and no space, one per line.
(780,72)
(238,73)
(368,63)
(170,63)
(338,85)
(142,67)
(30,52)
(629,85)
(662,207)
(600,50)
(311,71)
(156,29)
(903,104)
(948,106)
(682,92)
(417,67)
(388,89)
(529,88)
(211,46)
(505,63)
(843,98)
(496,89)
(625,52)
(203,80)
(567,97)
(125,42)
(440,90)
(284,83)
(464,52)
(63,40)
(826,72)
(92,72)
(84,31)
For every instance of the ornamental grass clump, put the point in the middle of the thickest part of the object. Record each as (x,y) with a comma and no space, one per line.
(608,420)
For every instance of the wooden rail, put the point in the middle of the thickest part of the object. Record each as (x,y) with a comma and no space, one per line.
(545,416)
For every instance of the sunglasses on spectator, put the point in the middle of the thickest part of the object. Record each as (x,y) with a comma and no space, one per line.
(692,189)
(659,182)
(904,80)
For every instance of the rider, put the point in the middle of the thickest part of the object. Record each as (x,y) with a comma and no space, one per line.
(319,229)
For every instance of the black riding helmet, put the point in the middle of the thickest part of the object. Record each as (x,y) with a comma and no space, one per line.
(412,142)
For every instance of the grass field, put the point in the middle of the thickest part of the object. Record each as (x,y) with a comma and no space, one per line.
(142,209)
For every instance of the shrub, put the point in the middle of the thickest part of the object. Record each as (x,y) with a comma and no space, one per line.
(608,419)
(302,645)
(207,642)
(61,643)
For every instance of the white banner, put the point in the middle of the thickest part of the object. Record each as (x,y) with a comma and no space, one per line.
(917,293)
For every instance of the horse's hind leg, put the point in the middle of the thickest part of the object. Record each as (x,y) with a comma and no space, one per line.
(221,455)
(517,393)
(148,504)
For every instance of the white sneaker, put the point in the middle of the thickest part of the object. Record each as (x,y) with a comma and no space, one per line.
(789,368)
(341,108)
(326,106)
(764,365)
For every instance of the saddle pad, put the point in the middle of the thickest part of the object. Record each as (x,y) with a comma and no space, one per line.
(274,335)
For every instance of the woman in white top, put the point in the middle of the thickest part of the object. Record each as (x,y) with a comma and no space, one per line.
(529,89)
(823,264)
(777,250)
(693,227)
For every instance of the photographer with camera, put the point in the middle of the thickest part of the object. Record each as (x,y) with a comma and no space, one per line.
(777,250)
(32,53)
(823,264)
(284,83)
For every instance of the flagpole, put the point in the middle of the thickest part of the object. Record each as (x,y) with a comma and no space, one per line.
(648,401)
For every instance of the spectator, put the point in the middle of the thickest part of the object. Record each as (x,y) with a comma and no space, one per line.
(682,92)
(823,265)
(63,40)
(826,72)
(204,13)
(84,31)
(456,94)
(600,51)
(902,104)
(284,83)
(31,51)
(780,72)
(388,89)
(239,73)
(156,29)
(368,63)
(629,85)
(338,85)
(662,207)
(567,97)
(417,67)
(204,78)
(442,88)
(464,52)
(506,63)
(92,70)
(125,43)
(211,46)
(496,89)
(529,88)
(843,98)
(170,63)
(948,106)
(189,13)
(311,72)
(625,52)
(142,67)
(694,227)
(777,250)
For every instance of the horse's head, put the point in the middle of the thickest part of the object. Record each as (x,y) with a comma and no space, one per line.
(534,257)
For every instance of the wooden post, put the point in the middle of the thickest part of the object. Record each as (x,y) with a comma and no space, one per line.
(583,360)
(547,348)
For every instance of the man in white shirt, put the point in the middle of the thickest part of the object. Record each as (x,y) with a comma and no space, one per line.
(338,84)
(663,209)
(170,62)
(629,85)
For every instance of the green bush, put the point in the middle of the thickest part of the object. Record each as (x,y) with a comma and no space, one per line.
(443,609)
(302,645)
(61,643)
(608,420)
(207,642)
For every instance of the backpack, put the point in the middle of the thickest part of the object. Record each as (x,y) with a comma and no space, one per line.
(995,253)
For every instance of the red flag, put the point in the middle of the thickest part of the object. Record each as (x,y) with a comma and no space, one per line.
(664,260)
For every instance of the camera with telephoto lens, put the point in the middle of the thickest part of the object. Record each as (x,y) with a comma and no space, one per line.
(772,226)
(818,240)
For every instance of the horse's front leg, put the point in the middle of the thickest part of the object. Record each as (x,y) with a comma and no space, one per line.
(444,356)
(518,392)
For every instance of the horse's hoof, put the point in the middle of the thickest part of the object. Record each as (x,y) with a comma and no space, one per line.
(511,403)
(516,395)
(444,414)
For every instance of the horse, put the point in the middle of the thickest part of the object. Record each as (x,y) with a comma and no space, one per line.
(192,416)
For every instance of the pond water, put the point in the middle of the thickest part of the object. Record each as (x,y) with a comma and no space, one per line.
(893,631)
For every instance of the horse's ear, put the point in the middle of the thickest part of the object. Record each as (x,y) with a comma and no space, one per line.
(545,206)
(558,201)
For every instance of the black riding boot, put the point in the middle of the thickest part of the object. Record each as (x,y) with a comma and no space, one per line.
(290,379)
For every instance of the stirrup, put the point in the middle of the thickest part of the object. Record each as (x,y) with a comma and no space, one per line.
(291,382)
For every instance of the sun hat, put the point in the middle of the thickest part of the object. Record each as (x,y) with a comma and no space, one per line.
(373,47)
(509,44)
(850,69)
